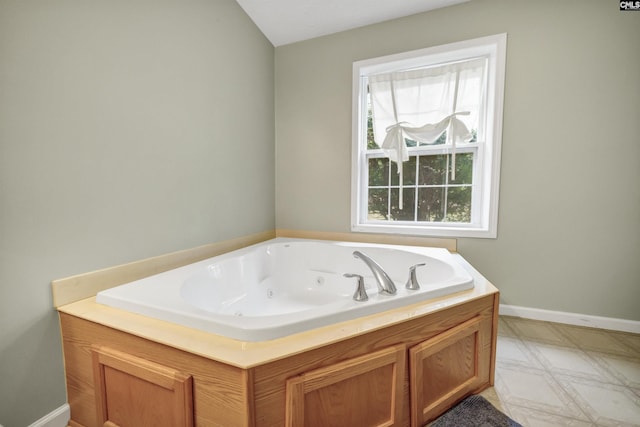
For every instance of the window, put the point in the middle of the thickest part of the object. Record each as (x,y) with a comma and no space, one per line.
(427,128)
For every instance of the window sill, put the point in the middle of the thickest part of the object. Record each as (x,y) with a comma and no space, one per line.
(432,231)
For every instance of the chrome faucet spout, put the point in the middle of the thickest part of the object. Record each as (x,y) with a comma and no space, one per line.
(385,284)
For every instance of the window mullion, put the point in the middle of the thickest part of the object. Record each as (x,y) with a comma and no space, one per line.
(416,199)
(389,191)
(446,188)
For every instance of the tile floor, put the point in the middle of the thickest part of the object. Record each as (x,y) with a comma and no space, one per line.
(549,374)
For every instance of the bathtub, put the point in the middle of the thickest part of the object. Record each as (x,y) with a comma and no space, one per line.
(285,286)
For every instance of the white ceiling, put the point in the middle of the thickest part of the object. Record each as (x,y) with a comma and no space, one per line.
(289,21)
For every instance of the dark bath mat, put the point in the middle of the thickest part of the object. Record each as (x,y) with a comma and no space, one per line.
(474,411)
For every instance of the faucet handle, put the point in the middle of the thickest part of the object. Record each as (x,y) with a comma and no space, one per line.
(361,292)
(412,283)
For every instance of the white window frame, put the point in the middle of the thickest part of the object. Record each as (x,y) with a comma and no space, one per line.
(486,177)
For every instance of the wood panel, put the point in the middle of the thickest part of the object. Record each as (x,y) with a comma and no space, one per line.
(366,391)
(492,345)
(444,369)
(222,394)
(229,396)
(134,392)
(270,378)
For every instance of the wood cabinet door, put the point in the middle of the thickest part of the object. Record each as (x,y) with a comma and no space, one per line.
(444,369)
(364,391)
(134,392)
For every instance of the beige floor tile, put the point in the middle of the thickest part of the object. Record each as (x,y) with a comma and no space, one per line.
(632,340)
(534,418)
(625,369)
(537,331)
(504,330)
(514,350)
(535,389)
(549,374)
(599,340)
(606,404)
(570,361)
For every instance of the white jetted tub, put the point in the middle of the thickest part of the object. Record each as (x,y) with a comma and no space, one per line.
(284,286)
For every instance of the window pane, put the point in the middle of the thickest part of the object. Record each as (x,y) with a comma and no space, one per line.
(371,143)
(432,170)
(459,204)
(464,168)
(409,171)
(395,178)
(408,204)
(430,204)
(378,202)
(378,172)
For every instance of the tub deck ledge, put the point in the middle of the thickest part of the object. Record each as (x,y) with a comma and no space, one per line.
(243,354)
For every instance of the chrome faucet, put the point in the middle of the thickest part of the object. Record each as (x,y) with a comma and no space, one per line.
(412,283)
(361,292)
(385,284)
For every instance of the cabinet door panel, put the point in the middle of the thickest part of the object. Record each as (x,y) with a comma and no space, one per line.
(134,392)
(444,369)
(364,391)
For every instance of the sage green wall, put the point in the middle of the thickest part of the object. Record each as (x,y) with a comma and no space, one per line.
(569,225)
(128,129)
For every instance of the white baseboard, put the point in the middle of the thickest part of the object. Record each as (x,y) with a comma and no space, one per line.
(572,318)
(57,418)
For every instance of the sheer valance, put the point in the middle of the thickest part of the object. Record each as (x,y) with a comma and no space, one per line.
(394,144)
(422,104)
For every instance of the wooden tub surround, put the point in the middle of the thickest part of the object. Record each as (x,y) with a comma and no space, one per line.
(402,367)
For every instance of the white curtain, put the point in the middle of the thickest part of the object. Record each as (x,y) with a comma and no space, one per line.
(422,104)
